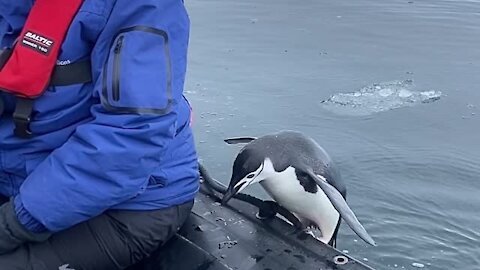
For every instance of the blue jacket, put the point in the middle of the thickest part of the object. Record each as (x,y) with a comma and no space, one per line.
(123,141)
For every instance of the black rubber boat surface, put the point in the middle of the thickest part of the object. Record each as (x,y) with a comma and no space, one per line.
(221,237)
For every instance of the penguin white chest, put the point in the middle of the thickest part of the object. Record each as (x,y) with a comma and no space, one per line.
(285,188)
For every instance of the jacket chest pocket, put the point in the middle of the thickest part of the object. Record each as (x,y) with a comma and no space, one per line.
(137,75)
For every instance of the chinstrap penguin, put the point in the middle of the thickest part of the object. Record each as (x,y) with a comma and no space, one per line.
(300,176)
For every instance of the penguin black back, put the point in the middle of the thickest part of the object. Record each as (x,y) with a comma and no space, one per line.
(290,148)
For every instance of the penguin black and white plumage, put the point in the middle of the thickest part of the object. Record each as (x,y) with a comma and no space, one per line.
(300,176)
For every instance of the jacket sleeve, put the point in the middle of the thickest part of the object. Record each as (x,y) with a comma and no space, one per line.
(108,160)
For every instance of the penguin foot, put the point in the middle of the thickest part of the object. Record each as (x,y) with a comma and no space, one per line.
(299,228)
(304,234)
(268,210)
(261,217)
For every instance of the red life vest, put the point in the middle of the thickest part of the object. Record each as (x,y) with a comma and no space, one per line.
(29,68)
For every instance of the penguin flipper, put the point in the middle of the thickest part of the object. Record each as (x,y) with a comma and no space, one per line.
(342,207)
(238,140)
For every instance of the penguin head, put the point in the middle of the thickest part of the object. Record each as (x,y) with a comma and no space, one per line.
(249,167)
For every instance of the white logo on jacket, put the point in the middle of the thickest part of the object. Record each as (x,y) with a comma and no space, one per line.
(39,38)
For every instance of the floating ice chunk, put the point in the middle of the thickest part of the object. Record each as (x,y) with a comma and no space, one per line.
(379,97)
(404,93)
(418,265)
(385,92)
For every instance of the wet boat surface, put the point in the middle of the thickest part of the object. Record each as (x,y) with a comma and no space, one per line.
(230,236)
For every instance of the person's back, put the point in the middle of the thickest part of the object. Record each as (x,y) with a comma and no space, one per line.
(99,149)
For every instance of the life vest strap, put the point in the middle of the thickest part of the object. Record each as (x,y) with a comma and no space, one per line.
(62,75)
(22,117)
(76,73)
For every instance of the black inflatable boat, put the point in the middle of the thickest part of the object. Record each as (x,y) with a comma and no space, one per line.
(221,237)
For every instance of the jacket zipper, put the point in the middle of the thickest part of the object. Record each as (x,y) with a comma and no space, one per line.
(116,69)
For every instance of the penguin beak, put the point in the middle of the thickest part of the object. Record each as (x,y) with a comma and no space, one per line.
(234,189)
(228,195)
(237,186)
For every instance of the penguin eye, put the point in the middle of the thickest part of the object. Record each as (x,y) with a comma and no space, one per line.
(250,176)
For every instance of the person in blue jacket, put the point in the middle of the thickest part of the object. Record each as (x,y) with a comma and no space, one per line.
(110,172)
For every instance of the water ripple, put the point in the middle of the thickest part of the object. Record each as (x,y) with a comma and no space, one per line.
(414,193)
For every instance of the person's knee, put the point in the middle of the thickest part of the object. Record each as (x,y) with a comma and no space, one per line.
(154,229)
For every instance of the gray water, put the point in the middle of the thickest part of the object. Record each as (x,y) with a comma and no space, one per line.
(411,166)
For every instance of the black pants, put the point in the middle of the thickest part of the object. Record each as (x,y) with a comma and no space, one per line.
(114,240)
